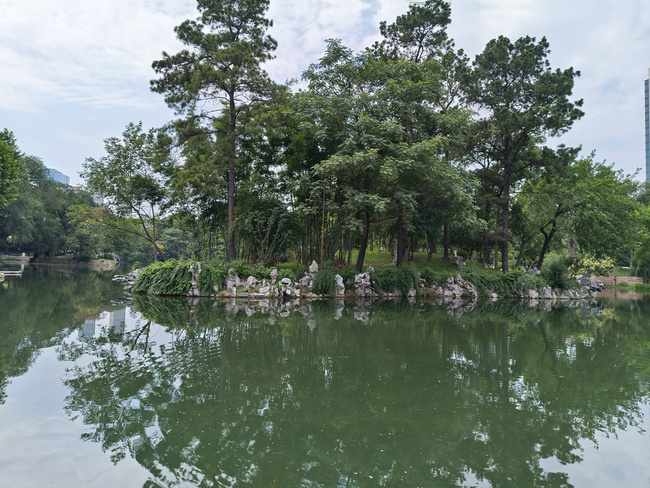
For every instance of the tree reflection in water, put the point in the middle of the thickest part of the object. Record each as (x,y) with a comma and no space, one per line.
(333,394)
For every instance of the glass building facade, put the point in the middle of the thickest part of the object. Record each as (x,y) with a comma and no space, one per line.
(58,176)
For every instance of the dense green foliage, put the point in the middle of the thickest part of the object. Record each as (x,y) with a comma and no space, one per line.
(556,273)
(221,65)
(392,279)
(11,168)
(324,282)
(125,176)
(512,283)
(404,147)
(593,266)
(212,277)
(165,278)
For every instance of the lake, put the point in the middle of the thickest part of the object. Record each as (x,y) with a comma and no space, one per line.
(97,390)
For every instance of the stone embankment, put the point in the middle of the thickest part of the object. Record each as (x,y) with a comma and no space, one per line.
(364,288)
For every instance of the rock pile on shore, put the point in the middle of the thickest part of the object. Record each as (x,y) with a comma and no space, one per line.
(364,287)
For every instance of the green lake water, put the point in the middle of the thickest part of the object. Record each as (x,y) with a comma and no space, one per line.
(100,391)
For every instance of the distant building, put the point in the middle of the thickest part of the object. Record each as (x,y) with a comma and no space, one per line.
(647,127)
(87,329)
(117,321)
(58,176)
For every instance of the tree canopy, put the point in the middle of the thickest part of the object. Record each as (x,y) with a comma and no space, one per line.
(11,168)
(218,77)
(400,147)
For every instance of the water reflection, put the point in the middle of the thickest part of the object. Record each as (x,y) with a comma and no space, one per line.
(330,393)
(42,307)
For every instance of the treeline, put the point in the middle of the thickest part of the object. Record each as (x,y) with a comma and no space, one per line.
(405,146)
(44,218)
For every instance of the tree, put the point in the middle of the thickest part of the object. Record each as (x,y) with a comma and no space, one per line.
(267,229)
(87,233)
(584,201)
(376,117)
(524,102)
(551,198)
(219,76)
(126,177)
(35,219)
(607,221)
(417,35)
(11,168)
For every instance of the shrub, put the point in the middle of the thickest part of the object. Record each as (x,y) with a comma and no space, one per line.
(556,273)
(86,255)
(324,282)
(244,270)
(591,265)
(348,274)
(513,282)
(432,278)
(166,278)
(286,273)
(212,275)
(392,279)
(642,288)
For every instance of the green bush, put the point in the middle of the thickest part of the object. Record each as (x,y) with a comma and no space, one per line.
(212,275)
(165,278)
(513,282)
(324,282)
(286,273)
(392,279)
(86,255)
(433,278)
(591,265)
(348,274)
(642,288)
(556,273)
(244,270)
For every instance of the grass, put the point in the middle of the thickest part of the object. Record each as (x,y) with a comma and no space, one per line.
(622,271)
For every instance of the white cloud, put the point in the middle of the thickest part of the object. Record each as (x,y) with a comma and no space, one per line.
(96,53)
(94,58)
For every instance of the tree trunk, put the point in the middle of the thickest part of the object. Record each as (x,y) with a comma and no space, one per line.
(486,240)
(232,158)
(445,242)
(322,232)
(547,242)
(521,254)
(399,253)
(431,247)
(505,217)
(364,240)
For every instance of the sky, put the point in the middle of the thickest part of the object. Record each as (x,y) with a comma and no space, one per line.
(75,72)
